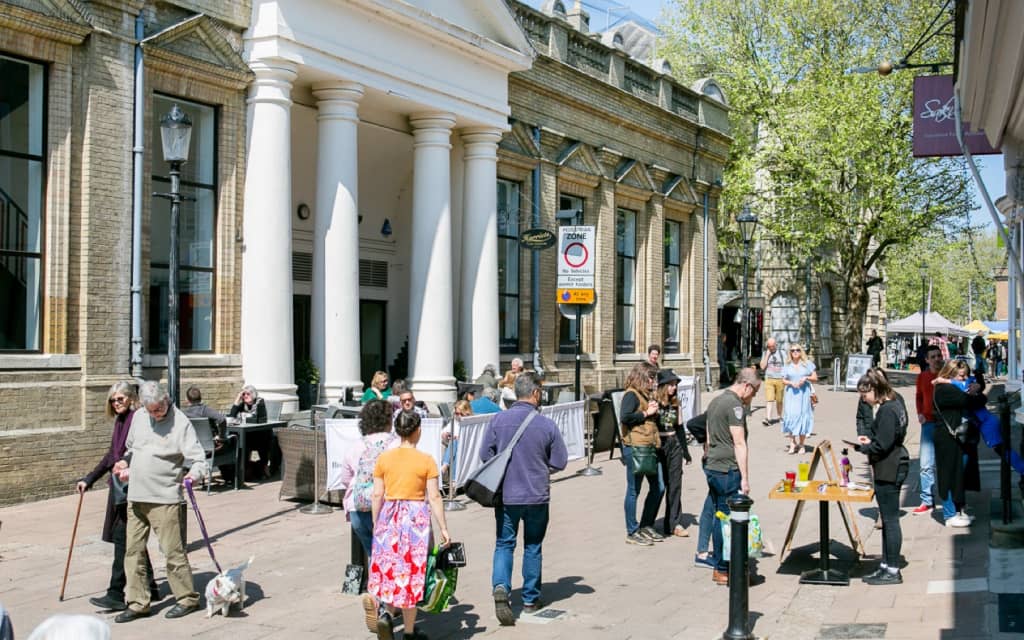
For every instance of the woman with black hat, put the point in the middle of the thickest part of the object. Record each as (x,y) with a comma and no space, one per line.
(672,451)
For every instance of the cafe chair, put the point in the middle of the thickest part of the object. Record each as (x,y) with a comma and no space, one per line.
(214,457)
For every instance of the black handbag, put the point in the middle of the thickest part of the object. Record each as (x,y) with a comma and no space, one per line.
(645,459)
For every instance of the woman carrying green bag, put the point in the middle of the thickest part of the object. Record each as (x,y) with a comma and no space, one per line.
(640,441)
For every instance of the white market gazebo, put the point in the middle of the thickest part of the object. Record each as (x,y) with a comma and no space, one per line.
(933,322)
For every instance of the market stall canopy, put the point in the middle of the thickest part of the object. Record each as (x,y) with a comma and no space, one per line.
(977,325)
(932,322)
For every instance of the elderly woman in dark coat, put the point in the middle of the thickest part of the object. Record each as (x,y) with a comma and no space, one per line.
(122,402)
(955,460)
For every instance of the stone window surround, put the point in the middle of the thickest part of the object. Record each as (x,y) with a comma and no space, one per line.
(229,102)
(56,204)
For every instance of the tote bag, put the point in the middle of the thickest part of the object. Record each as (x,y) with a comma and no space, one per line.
(484,486)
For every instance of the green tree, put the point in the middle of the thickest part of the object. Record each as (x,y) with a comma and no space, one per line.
(821,154)
(958,278)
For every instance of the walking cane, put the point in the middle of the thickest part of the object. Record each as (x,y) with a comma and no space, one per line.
(74,532)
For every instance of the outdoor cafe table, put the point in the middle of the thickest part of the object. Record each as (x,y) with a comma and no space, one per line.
(242,429)
(832,493)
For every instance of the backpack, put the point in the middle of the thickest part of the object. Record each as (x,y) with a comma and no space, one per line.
(362,486)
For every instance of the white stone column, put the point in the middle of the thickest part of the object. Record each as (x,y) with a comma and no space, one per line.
(335,304)
(267,358)
(479,339)
(430,279)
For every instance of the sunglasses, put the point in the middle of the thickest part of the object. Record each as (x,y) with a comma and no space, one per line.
(118,400)
(794,350)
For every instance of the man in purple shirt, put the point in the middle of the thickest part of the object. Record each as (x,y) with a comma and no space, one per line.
(525,493)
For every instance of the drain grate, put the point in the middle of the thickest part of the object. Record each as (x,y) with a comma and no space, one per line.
(1011,612)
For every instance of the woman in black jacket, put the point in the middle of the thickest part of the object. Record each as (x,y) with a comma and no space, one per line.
(955,460)
(890,462)
(122,401)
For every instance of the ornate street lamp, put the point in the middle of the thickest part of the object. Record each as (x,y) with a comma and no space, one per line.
(747,222)
(923,270)
(175,137)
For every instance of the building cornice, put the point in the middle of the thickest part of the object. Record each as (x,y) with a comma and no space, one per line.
(453,36)
(44,26)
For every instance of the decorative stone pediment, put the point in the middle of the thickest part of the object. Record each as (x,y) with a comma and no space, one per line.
(61,20)
(679,189)
(634,174)
(519,141)
(197,44)
(580,157)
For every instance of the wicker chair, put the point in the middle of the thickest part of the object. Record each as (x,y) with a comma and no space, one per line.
(297,465)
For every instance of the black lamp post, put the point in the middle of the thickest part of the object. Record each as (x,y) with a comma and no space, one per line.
(175,136)
(747,222)
(923,270)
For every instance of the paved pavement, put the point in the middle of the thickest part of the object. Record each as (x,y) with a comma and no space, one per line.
(606,588)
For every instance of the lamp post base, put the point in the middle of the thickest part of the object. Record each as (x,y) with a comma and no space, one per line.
(589,471)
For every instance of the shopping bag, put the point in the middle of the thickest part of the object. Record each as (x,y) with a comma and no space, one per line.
(439,586)
(755,537)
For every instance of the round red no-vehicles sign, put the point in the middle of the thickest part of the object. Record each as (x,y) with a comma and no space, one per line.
(576,255)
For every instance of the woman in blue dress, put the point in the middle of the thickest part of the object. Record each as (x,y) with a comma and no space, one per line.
(797,410)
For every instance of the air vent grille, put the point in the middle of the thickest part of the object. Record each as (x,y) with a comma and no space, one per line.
(373,273)
(302,266)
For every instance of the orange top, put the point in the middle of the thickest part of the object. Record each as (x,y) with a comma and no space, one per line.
(405,472)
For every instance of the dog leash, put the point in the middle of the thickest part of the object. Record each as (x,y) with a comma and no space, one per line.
(202,525)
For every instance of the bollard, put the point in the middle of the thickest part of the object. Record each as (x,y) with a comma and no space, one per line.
(739,597)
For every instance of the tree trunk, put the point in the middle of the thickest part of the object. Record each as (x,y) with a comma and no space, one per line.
(856,308)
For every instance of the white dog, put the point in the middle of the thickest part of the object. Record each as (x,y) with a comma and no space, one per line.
(226,589)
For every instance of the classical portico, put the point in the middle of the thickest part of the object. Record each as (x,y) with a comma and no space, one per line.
(373,146)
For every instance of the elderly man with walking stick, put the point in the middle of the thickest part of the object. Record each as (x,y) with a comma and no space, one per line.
(162,447)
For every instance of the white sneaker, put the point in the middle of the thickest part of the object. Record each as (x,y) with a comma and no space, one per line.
(959,520)
(967,515)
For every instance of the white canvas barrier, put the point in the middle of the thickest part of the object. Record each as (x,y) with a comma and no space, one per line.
(568,417)
(344,434)
(688,393)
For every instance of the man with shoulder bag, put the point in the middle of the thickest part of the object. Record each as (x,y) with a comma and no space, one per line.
(537,450)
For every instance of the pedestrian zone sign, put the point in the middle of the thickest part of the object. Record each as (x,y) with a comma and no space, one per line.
(575,258)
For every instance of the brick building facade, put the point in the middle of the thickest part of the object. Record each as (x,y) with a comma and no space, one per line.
(641,155)
(66,174)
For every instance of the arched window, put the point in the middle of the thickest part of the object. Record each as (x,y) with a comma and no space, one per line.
(785,318)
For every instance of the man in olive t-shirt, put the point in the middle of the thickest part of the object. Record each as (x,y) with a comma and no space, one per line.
(726,466)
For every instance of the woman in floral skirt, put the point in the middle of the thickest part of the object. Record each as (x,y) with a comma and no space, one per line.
(405,492)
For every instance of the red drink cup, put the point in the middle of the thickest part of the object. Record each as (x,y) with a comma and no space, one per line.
(790,481)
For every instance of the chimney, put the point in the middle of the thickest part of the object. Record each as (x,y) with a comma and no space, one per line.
(578,18)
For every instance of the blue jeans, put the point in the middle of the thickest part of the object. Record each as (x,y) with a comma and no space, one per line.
(362,526)
(926,456)
(707,518)
(655,489)
(535,524)
(721,487)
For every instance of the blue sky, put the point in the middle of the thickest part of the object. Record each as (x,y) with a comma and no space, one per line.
(604,12)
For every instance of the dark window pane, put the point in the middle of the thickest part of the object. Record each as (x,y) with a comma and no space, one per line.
(21,100)
(201,164)
(195,227)
(195,310)
(21,192)
(19,290)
